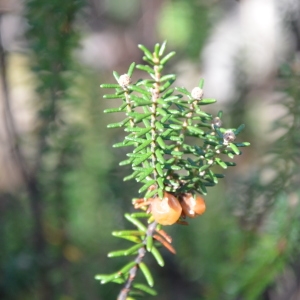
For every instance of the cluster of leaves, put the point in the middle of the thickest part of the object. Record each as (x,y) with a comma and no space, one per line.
(175,148)
(158,123)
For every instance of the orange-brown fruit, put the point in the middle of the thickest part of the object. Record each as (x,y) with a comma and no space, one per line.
(166,211)
(192,206)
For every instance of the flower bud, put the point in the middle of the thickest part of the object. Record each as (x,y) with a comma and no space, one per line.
(228,137)
(124,80)
(197,93)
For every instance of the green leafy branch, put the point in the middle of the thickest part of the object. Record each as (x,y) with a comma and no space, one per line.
(173,169)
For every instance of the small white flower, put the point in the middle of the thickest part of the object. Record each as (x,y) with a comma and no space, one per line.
(197,93)
(216,122)
(228,137)
(124,80)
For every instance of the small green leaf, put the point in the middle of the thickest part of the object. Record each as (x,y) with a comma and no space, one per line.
(162,48)
(176,138)
(131,176)
(131,69)
(142,146)
(148,61)
(116,75)
(230,155)
(113,96)
(151,193)
(119,281)
(109,86)
(175,126)
(234,148)
(141,103)
(167,77)
(159,169)
(209,154)
(105,278)
(145,289)
(141,117)
(167,133)
(137,89)
(141,159)
(156,49)
(146,51)
(171,160)
(163,103)
(157,256)
(221,163)
(123,144)
(125,252)
(146,273)
(177,153)
(160,142)
(167,57)
(212,176)
(205,167)
(125,269)
(136,222)
(159,126)
(175,112)
(160,193)
(129,232)
(219,175)
(173,98)
(133,239)
(145,68)
(175,168)
(239,129)
(144,174)
(140,215)
(245,144)
(183,91)
(201,83)
(133,138)
(166,85)
(115,125)
(211,142)
(159,156)
(125,162)
(135,155)
(162,111)
(160,182)
(167,94)
(206,101)
(230,163)
(143,132)
(195,130)
(113,110)
(149,243)
(201,188)
(146,185)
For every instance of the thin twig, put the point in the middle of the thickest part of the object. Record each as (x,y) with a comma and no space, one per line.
(133,271)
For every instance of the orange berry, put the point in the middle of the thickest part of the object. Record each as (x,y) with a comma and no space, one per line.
(192,206)
(166,211)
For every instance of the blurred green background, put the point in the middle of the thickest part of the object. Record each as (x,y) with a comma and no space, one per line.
(62,191)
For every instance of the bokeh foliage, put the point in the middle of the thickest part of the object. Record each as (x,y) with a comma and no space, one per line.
(248,238)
